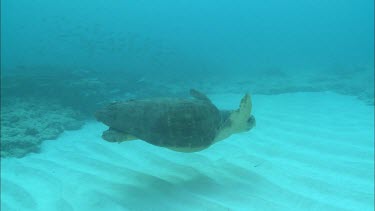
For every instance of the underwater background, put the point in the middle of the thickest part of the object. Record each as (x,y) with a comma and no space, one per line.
(63,60)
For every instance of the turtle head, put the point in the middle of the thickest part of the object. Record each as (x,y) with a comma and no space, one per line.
(250,123)
(241,119)
(237,121)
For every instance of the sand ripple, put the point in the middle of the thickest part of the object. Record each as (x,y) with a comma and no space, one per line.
(309,151)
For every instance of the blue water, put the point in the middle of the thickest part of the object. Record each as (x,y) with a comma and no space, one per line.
(63,60)
(173,37)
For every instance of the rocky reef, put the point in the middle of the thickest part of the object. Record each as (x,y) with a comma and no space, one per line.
(81,89)
(357,82)
(26,123)
(69,95)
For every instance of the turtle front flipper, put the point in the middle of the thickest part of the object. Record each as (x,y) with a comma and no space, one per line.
(199,95)
(113,135)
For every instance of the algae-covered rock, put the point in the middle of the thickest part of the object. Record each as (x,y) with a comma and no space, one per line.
(26,123)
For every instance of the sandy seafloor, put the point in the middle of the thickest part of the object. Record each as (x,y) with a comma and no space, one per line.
(309,151)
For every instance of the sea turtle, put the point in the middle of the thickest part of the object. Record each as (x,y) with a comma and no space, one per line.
(184,125)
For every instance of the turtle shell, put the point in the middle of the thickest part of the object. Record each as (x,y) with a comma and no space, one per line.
(167,122)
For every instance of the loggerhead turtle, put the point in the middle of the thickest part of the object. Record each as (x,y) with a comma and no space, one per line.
(184,125)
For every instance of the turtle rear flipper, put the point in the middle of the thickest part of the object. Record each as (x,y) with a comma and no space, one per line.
(187,149)
(113,135)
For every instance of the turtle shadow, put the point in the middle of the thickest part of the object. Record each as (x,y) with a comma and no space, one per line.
(195,190)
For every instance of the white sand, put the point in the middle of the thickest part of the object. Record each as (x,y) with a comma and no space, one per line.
(309,151)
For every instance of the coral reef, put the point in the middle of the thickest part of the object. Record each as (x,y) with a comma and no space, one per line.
(25,123)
